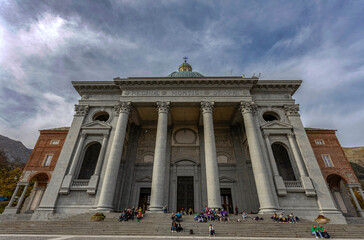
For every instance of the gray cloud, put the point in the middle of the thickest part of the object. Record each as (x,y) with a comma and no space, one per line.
(44,45)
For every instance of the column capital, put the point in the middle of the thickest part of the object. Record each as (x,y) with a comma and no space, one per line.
(163,107)
(105,134)
(292,109)
(123,107)
(247,107)
(81,110)
(83,134)
(266,135)
(207,107)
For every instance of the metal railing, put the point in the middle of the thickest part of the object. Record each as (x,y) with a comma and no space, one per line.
(293,184)
(80,183)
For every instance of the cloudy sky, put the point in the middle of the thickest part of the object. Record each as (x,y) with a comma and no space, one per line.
(44,45)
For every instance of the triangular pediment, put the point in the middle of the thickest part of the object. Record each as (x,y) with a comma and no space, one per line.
(225,179)
(276,125)
(144,179)
(96,125)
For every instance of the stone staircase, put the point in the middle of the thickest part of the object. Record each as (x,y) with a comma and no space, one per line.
(159,225)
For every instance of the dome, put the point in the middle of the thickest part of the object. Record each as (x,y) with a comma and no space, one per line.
(185,70)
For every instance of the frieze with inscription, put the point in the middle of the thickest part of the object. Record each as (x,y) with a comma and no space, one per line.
(188,93)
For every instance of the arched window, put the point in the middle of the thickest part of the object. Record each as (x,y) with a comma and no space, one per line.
(89,161)
(283,162)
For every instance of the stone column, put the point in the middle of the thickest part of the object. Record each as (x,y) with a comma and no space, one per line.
(13,196)
(260,173)
(109,182)
(21,199)
(212,171)
(159,164)
(360,211)
(92,185)
(278,180)
(305,180)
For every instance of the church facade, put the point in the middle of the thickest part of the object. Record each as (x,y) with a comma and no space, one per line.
(188,141)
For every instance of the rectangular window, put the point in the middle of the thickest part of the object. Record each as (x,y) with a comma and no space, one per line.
(319,142)
(48,160)
(327,160)
(54,142)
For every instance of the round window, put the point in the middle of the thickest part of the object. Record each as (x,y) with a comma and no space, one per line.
(270,116)
(101,116)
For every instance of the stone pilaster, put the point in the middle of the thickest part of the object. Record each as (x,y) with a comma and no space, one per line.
(305,180)
(265,194)
(109,182)
(324,199)
(158,179)
(212,171)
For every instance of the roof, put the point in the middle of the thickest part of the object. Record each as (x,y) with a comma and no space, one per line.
(185,74)
(56,129)
(319,129)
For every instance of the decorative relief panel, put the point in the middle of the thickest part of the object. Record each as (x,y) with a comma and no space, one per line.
(185,136)
(190,153)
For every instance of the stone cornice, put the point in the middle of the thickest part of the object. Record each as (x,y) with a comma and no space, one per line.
(184,82)
(119,84)
(280,85)
(89,87)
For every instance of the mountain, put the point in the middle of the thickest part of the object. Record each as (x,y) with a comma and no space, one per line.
(14,149)
(355,156)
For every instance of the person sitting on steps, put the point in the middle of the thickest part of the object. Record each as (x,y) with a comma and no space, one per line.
(315,231)
(211,231)
(179,227)
(178,217)
(322,232)
(139,216)
(174,227)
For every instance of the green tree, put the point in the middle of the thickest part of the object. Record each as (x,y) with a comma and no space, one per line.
(8,180)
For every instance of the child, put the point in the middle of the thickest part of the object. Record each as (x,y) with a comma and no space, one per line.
(211,231)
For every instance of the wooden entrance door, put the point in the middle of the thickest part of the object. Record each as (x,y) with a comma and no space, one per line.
(144,198)
(226,199)
(185,193)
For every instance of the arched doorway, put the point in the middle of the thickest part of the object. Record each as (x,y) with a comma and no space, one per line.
(340,194)
(89,161)
(283,162)
(32,202)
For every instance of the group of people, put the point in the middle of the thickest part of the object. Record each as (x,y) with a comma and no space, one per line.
(281,218)
(130,213)
(212,215)
(319,231)
(176,222)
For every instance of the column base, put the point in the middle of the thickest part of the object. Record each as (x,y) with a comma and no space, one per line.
(104,209)
(269,210)
(155,209)
(361,213)
(11,210)
(215,207)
